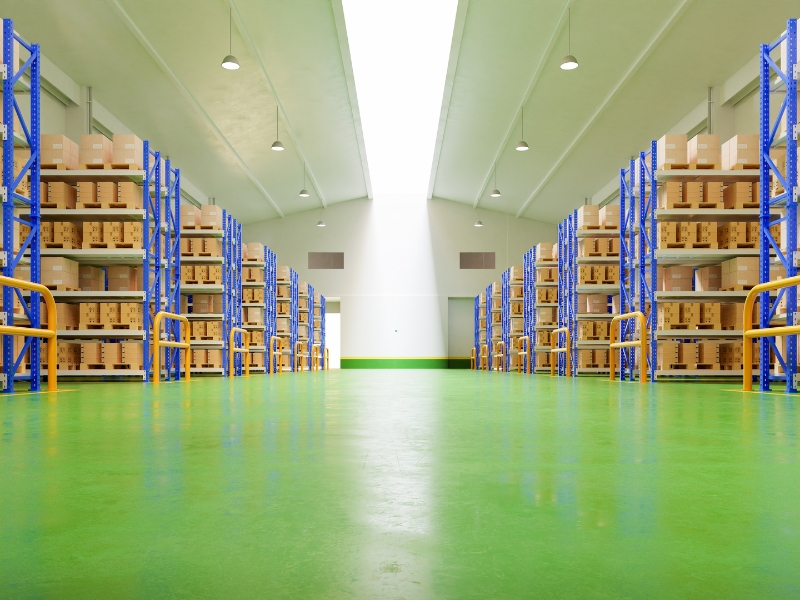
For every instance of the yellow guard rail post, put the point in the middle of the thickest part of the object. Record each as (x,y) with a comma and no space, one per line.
(499,356)
(472,359)
(275,341)
(554,349)
(527,353)
(325,366)
(642,343)
(298,359)
(158,343)
(750,333)
(234,350)
(49,334)
(484,363)
(315,356)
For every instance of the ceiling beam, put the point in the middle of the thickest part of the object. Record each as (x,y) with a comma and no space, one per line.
(347,67)
(137,33)
(240,24)
(452,66)
(632,70)
(562,20)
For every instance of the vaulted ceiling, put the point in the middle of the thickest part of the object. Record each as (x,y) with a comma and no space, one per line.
(643,66)
(156,66)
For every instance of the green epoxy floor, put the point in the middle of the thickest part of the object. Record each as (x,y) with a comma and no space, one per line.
(399,484)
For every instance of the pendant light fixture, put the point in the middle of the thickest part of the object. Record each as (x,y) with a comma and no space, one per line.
(570,62)
(495,192)
(229,62)
(276,145)
(478,223)
(320,223)
(522,146)
(304,192)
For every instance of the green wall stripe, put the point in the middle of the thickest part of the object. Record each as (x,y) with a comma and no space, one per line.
(395,363)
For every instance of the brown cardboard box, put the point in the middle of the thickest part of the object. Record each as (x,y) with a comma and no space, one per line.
(588,216)
(693,191)
(708,353)
(92,233)
(713,191)
(91,353)
(609,216)
(190,215)
(107,192)
(282,324)
(211,216)
(517,273)
(67,316)
(282,291)
(215,273)
(669,194)
(46,233)
(741,149)
(59,271)
(667,233)
(130,194)
(612,246)
(57,149)
(255,251)
(131,354)
(672,149)
(585,274)
(596,304)
(690,312)
(544,251)
(668,313)
(585,359)
(130,313)
(740,271)
(588,247)
(667,354)
(254,315)
(687,232)
(213,247)
(95,149)
(187,273)
(109,313)
(122,279)
(729,235)
(112,232)
(612,273)
(710,312)
(676,278)
(112,354)
(69,235)
(601,329)
(707,233)
(585,330)
(89,312)
(132,233)
(615,305)
(60,195)
(283,273)
(704,149)
(708,279)
(546,316)
(127,149)
(739,194)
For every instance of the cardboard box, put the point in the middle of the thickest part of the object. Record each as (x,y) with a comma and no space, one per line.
(190,215)
(69,235)
(609,216)
(59,271)
(739,194)
(123,279)
(588,216)
(283,273)
(672,149)
(95,149)
(212,247)
(60,195)
(708,279)
(131,354)
(92,233)
(91,353)
(676,278)
(282,324)
(544,251)
(713,192)
(517,273)
(112,232)
(588,246)
(740,271)
(596,303)
(667,233)
(127,149)
(131,194)
(741,149)
(211,216)
(109,313)
(57,149)
(704,149)
(546,316)
(255,251)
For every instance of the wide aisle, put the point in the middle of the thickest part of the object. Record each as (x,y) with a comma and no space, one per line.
(412,484)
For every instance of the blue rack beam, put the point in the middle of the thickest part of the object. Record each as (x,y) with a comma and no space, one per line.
(172,261)
(10,197)
(768,132)
(151,235)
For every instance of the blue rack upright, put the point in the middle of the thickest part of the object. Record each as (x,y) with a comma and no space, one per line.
(489,326)
(11,183)
(505,315)
(628,266)
(309,323)
(172,266)
(151,263)
(232,291)
(567,291)
(528,309)
(271,301)
(293,315)
(322,303)
(770,136)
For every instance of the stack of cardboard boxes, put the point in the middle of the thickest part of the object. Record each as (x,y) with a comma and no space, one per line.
(206,330)
(598,274)
(201,274)
(99,355)
(202,304)
(110,315)
(201,247)
(206,217)
(61,234)
(592,216)
(112,234)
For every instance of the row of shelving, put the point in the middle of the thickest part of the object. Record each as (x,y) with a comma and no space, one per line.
(113,265)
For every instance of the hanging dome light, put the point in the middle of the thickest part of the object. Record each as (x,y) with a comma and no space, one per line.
(495,193)
(304,192)
(320,223)
(522,146)
(229,62)
(478,223)
(276,145)
(570,62)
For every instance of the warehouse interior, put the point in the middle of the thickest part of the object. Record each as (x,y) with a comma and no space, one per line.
(381,299)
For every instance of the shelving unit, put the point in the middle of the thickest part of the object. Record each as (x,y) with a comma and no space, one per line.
(172,267)
(29,136)
(567,290)
(271,301)
(232,292)
(293,315)
(322,309)
(493,305)
(528,308)
(540,329)
(783,131)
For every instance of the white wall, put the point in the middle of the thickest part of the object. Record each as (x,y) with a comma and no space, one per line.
(460,327)
(401,265)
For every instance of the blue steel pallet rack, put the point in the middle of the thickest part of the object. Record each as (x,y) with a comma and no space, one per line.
(567,290)
(293,315)
(232,291)
(322,303)
(151,263)
(271,301)
(505,316)
(10,197)
(310,323)
(769,137)
(489,326)
(172,268)
(476,332)
(528,310)
(628,224)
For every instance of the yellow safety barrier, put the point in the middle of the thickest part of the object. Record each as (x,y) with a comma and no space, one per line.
(158,343)
(298,357)
(49,334)
(325,366)
(315,357)
(554,349)
(750,333)
(526,341)
(484,358)
(234,350)
(472,362)
(499,356)
(273,341)
(641,342)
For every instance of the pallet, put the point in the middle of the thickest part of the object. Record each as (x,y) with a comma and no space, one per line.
(112,245)
(55,166)
(675,367)
(60,205)
(542,259)
(739,205)
(111,166)
(707,366)
(746,167)
(688,167)
(62,245)
(61,288)
(111,205)
(741,246)
(687,246)
(111,326)
(598,282)
(105,367)
(605,227)
(689,326)
(693,205)
(201,282)
(201,227)
(202,255)
(738,288)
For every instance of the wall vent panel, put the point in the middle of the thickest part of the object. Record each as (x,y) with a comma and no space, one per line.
(477,260)
(326,260)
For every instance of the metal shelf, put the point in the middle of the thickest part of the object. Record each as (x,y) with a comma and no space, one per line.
(602,288)
(700,257)
(546,305)
(203,260)
(593,344)
(699,373)
(104,296)
(92,214)
(706,175)
(695,296)
(592,233)
(189,289)
(595,316)
(73,176)
(546,264)
(98,256)
(207,344)
(715,215)
(671,334)
(86,334)
(202,233)
(594,370)
(94,373)
(597,260)
(203,317)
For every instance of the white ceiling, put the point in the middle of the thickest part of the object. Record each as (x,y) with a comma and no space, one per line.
(643,66)
(156,66)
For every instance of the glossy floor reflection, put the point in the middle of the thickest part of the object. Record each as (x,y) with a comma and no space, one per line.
(400,484)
